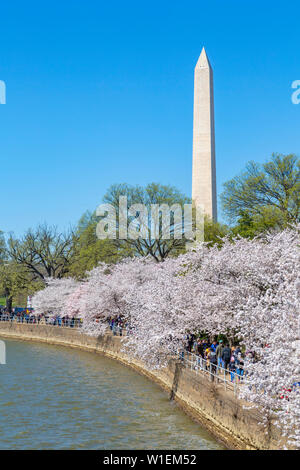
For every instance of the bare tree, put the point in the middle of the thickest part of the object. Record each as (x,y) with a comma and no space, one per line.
(43,252)
(165,243)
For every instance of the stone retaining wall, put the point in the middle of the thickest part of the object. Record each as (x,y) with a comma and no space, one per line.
(216,409)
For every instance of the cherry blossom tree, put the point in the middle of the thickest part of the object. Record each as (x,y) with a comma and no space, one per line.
(247,290)
(53,297)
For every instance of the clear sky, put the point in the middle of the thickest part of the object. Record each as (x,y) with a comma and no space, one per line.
(101,92)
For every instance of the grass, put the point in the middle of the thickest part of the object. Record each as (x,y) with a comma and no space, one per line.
(3,301)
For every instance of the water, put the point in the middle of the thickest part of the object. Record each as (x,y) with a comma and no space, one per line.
(53,397)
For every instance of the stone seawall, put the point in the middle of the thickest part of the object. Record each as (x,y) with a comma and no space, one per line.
(216,409)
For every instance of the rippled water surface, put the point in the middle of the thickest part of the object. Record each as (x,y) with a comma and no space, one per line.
(53,397)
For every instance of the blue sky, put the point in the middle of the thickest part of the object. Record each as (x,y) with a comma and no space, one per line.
(102,92)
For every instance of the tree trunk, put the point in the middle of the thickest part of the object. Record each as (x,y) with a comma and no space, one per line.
(8,298)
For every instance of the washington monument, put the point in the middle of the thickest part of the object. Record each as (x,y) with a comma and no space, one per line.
(204,165)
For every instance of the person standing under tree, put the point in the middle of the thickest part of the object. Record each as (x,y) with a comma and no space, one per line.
(226,355)
(213,363)
(219,351)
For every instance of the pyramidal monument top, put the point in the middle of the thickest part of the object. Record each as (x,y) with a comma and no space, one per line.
(203,61)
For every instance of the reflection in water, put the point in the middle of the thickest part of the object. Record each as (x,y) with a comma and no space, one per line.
(53,397)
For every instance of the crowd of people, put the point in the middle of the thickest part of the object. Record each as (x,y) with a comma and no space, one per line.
(118,326)
(29,317)
(217,355)
(19,315)
(213,356)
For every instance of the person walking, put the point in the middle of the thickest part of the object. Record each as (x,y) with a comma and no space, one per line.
(200,353)
(232,369)
(212,363)
(206,356)
(239,363)
(200,349)
(226,355)
(219,351)
(237,352)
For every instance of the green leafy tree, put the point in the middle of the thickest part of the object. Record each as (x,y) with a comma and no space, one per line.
(16,281)
(249,226)
(2,247)
(268,195)
(214,231)
(89,251)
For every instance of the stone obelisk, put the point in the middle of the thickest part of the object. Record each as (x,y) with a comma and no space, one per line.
(204,165)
